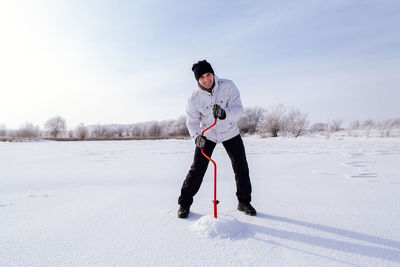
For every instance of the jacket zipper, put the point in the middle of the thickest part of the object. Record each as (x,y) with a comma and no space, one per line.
(213,101)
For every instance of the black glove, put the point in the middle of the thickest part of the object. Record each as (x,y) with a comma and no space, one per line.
(200,141)
(218,112)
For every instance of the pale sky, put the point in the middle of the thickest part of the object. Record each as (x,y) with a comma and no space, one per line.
(130,61)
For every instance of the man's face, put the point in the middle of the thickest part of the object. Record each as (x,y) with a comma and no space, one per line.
(206,80)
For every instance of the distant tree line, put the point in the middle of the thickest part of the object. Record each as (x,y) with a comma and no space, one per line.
(279,120)
(56,129)
(275,121)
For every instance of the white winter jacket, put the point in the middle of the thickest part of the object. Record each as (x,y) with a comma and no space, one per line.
(199,111)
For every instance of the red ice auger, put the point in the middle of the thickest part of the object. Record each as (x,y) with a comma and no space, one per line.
(215,201)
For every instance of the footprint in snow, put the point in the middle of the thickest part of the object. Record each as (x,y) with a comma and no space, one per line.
(6,205)
(365,175)
(39,196)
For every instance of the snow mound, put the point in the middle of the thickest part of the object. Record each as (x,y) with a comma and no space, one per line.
(224,226)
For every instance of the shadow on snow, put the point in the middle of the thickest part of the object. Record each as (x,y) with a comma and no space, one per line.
(328,243)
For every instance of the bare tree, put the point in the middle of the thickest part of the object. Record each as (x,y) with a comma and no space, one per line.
(138,129)
(154,129)
(71,134)
(120,130)
(396,123)
(296,122)
(354,126)
(166,127)
(273,121)
(319,127)
(367,125)
(385,127)
(102,131)
(55,126)
(3,130)
(335,125)
(178,127)
(81,131)
(27,130)
(251,120)
(127,131)
(97,131)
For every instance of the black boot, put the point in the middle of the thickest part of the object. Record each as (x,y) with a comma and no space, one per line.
(183,212)
(247,208)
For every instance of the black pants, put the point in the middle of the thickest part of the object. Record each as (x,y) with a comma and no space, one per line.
(235,149)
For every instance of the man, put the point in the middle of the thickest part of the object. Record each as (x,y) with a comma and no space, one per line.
(215,98)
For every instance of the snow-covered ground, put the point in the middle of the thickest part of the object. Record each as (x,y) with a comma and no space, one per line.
(320,202)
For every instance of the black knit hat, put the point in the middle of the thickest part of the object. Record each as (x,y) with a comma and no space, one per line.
(201,68)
